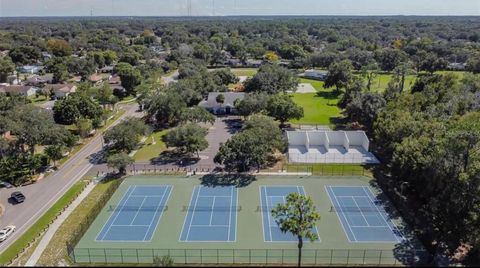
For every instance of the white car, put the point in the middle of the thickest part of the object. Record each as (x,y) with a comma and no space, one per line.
(6,232)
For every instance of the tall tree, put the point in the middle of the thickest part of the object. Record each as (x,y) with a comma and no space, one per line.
(272,79)
(283,108)
(299,217)
(129,76)
(120,161)
(188,139)
(125,136)
(339,75)
(6,68)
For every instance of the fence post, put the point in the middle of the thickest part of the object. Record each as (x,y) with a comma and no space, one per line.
(266,256)
(89,257)
(316,253)
(153,255)
(250,256)
(136,250)
(233,254)
(331,256)
(380,257)
(217,256)
(364,251)
(201,256)
(105,255)
(185,255)
(348,256)
(121,254)
(282,254)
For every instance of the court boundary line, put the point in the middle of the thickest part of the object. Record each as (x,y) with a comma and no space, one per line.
(381,214)
(361,213)
(316,227)
(363,241)
(158,221)
(192,214)
(169,189)
(197,190)
(341,222)
(268,211)
(186,216)
(106,222)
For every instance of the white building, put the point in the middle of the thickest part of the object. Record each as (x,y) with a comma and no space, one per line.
(326,146)
(316,74)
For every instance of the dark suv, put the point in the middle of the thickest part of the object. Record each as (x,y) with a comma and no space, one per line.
(18,197)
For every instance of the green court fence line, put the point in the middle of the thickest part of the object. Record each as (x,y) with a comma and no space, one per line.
(252,256)
(328,170)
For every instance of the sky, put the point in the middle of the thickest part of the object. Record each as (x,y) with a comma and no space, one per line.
(12,8)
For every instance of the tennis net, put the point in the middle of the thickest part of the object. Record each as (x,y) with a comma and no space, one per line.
(210,208)
(138,208)
(355,209)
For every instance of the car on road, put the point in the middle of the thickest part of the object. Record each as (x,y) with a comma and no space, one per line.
(5,184)
(6,232)
(18,197)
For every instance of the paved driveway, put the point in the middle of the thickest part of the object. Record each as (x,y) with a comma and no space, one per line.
(220,132)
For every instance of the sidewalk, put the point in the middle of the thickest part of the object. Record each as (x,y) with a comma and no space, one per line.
(56,224)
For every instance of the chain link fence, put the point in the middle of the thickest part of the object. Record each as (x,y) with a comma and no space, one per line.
(253,256)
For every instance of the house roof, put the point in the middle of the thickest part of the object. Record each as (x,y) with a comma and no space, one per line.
(230,98)
(115,79)
(16,89)
(61,87)
(96,77)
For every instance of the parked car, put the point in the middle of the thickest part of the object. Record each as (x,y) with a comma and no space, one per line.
(18,197)
(5,184)
(6,232)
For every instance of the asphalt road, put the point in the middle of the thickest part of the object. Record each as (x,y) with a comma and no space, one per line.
(41,195)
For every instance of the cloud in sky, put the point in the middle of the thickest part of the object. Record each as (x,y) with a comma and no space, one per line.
(236,7)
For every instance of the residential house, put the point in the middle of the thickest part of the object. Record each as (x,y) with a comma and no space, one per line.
(31,69)
(316,74)
(457,66)
(14,80)
(228,105)
(61,91)
(36,80)
(106,69)
(97,79)
(254,63)
(116,84)
(19,90)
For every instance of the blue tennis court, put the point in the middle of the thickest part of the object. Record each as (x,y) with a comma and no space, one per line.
(270,196)
(137,215)
(212,215)
(362,216)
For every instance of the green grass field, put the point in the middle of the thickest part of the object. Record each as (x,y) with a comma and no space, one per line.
(249,246)
(150,151)
(244,71)
(319,108)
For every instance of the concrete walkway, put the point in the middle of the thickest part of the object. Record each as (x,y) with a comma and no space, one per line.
(56,224)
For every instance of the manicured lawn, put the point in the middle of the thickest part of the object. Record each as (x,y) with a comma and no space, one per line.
(380,83)
(330,169)
(41,223)
(244,71)
(56,249)
(149,150)
(319,108)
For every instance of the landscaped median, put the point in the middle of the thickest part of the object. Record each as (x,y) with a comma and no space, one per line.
(56,252)
(37,229)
